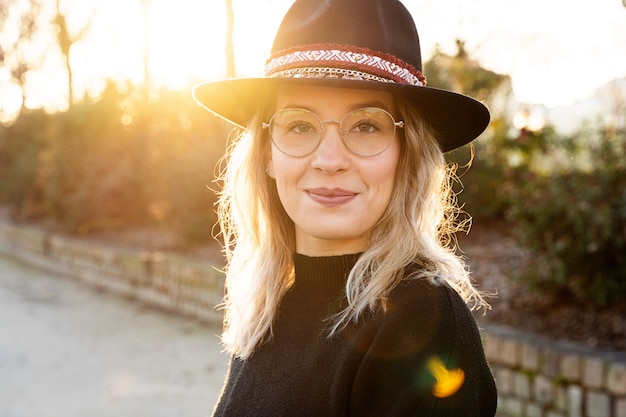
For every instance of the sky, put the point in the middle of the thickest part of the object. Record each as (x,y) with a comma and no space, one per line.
(557,52)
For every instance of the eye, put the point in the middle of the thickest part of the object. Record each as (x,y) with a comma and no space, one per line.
(301,127)
(366,126)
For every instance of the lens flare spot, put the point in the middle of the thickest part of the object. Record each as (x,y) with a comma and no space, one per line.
(448,381)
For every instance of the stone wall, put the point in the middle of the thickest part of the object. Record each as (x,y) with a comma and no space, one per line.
(165,280)
(536,377)
(539,377)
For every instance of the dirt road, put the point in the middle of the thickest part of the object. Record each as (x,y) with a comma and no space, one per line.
(69,350)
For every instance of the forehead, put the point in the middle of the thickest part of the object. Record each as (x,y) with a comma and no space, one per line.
(332,99)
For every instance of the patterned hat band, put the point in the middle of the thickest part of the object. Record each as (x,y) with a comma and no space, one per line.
(342,61)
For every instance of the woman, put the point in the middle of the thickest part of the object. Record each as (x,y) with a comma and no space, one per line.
(343,295)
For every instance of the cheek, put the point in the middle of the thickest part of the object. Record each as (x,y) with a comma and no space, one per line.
(385,191)
(387,183)
(280,167)
(387,171)
(286,171)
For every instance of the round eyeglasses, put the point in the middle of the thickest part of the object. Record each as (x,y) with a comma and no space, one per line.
(366,132)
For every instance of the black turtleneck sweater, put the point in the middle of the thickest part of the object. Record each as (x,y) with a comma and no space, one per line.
(387,364)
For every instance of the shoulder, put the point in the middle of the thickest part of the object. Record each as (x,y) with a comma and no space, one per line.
(425,336)
(432,316)
(420,298)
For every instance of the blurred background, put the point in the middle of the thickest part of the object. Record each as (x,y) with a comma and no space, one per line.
(100,139)
(99,132)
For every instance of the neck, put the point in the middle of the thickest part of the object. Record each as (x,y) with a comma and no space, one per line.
(312,246)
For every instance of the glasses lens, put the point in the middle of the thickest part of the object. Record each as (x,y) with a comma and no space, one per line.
(295,132)
(368,131)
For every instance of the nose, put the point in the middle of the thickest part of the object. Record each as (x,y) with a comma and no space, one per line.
(331,155)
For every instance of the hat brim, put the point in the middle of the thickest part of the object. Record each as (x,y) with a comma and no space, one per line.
(457,119)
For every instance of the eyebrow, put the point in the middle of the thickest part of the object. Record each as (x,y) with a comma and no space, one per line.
(374,103)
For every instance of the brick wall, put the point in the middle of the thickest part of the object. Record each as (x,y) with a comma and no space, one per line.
(536,377)
(539,377)
(165,280)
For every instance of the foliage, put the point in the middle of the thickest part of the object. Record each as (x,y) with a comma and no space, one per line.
(574,224)
(483,164)
(19,158)
(563,198)
(460,73)
(118,161)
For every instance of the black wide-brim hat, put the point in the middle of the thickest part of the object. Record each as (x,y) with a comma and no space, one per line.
(364,44)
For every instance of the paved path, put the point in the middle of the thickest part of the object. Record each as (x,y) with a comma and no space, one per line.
(69,350)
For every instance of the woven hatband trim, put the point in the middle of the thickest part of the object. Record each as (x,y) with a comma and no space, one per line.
(343,63)
(324,72)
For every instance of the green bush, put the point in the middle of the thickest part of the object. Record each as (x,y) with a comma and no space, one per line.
(574,224)
(119,161)
(20,161)
(481,182)
(492,166)
(90,169)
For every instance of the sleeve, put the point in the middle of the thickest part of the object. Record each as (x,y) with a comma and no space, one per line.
(425,358)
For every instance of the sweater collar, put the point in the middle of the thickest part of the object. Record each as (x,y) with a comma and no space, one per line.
(322,275)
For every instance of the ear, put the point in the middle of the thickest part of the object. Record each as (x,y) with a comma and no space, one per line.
(270,168)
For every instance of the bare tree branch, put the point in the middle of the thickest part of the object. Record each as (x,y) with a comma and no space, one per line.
(13,56)
(66,40)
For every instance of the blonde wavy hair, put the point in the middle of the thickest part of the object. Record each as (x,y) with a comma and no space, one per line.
(259,237)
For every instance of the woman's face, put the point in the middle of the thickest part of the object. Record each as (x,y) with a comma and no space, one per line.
(333,196)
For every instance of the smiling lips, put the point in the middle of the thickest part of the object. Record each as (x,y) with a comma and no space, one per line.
(331,197)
